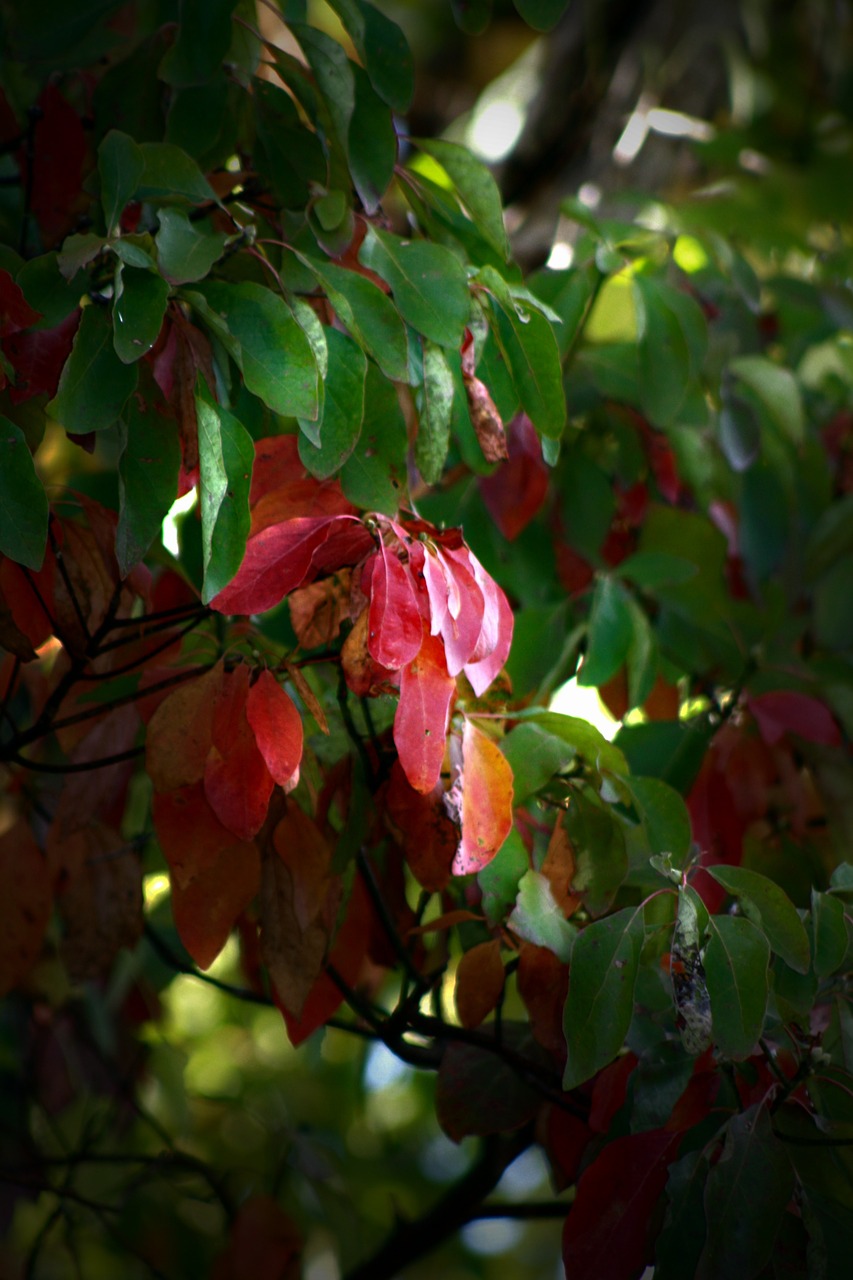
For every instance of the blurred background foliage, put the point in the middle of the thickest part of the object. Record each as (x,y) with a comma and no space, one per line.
(733,120)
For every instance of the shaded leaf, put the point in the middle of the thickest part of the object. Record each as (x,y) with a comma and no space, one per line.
(170,174)
(340,422)
(610,632)
(138,310)
(383,49)
(736,960)
(830,933)
(186,250)
(771,909)
(743,1225)
(478,1093)
(600,1005)
(371,143)
(148,478)
(23,502)
(237,782)
(479,983)
(369,314)
(120,165)
(27,900)
(374,475)
(95,385)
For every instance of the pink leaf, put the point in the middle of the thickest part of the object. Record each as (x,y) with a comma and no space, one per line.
(436,585)
(423,714)
(788,712)
(486,810)
(277,727)
(394,621)
(483,672)
(461,628)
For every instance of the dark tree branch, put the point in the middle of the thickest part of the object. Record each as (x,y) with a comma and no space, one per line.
(459,1205)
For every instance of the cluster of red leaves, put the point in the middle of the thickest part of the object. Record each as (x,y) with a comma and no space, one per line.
(753,780)
(424,609)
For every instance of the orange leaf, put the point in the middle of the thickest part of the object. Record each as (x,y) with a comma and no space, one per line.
(559,869)
(543,983)
(486,809)
(26,896)
(318,610)
(479,982)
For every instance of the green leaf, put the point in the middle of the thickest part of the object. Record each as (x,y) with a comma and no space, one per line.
(650,569)
(203,40)
(475,186)
(340,424)
(542,15)
(600,1004)
(472,16)
(47,290)
(641,661)
(383,49)
(736,960)
(771,909)
(582,736)
(139,306)
(529,347)
(830,933)
(226,454)
(77,252)
(666,362)
(664,815)
(746,1195)
(428,283)
(611,632)
(500,878)
(333,73)
(170,174)
(538,918)
(132,252)
(23,502)
(120,166)
(369,314)
(740,433)
(287,153)
(371,143)
(186,250)
(374,475)
(601,859)
(436,403)
(535,756)
(95,385)
(276,358)
(778,391)
(148,472)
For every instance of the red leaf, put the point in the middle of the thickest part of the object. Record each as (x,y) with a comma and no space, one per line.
(607,1234)
(15,312)
(515,492)
(463,622)
(27,898)
(423,714)
(265,1244)
(214,876)
(39,356)
(394,635)
(565,1139)
(428,836)
(543,984)
(57,157)
(786,711)
(609,1092)
(277,727)
(486,810)
(279,559)
(180,732)
(237,782)
(347,957)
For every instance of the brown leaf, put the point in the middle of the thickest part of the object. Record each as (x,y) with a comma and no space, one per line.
(265,1244)
(543,984)
(298,904)
(318,610)
(559,869)
(181,731)
(206,909)
(478,1093)
(364,675)
(428,836)
(486,421)
(479,982)
(101,906)
(26,895)
(307,695)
